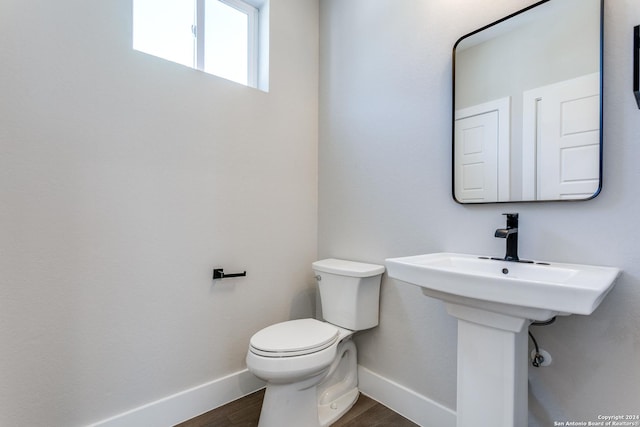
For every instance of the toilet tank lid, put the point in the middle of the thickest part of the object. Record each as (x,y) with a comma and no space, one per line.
(347,268)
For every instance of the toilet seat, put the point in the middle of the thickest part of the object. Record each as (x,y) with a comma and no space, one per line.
(294,338)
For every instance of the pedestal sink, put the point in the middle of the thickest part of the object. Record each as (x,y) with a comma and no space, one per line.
(494,302)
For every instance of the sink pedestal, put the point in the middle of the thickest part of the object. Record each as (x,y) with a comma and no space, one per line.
(492,368)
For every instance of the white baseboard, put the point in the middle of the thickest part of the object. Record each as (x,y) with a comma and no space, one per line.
(190,403)
(187,404)
(417,408)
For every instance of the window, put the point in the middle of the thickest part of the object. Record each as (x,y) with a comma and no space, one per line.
(222,37)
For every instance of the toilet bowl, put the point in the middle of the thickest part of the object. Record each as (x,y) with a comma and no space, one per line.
(310,366)
(294,373)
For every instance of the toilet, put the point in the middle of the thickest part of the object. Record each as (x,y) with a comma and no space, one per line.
(310,366)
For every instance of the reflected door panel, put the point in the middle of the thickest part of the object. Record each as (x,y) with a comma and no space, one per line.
(566,134)
(482,163)
(477,167)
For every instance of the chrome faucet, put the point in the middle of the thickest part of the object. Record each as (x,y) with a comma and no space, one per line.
(511,234)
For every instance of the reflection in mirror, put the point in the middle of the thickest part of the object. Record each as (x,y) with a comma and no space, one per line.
(527,106)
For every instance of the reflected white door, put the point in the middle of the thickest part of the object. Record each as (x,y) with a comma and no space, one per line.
(482,153)
(563,122)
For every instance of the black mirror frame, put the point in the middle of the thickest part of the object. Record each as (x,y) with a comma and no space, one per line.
(636,63)
(600,166)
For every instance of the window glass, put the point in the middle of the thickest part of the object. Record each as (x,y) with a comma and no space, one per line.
(163,28)
(226,41)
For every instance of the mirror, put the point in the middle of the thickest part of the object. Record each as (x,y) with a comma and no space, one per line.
(527,109)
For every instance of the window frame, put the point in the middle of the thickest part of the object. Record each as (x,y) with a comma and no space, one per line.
(257,13)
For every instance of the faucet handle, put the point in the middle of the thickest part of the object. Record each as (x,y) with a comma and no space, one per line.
(512,220)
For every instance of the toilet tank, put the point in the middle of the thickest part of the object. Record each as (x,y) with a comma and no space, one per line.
(349,292)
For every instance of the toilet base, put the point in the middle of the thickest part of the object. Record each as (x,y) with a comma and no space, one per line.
(339,391)
(302,406)
(286,402)
(314,402)
(331,412)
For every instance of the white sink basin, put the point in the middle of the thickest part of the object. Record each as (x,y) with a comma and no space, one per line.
(536,291)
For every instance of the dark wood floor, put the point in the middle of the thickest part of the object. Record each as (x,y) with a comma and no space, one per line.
(245,412)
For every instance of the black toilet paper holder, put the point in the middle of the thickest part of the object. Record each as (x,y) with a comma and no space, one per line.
(218,273)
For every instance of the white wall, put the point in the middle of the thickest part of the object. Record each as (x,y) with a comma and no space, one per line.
(385,190)
(124,179)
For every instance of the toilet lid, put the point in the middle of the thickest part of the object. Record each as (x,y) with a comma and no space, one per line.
(294,338)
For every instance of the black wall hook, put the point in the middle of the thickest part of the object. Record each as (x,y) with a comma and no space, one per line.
(218,273)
